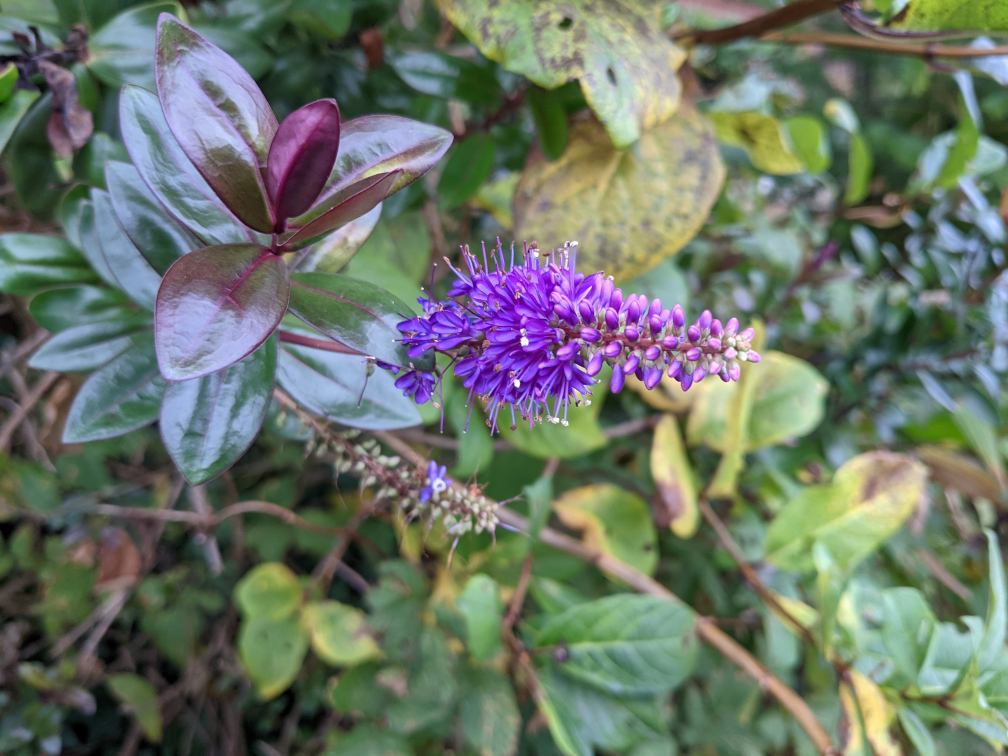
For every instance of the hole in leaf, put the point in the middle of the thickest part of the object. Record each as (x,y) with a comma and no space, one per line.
(566,23)
(612,75)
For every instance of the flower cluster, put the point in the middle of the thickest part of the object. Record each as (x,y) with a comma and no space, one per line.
(461,510)
(532,336)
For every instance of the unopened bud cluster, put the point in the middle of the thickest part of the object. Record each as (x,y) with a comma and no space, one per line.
(461,510)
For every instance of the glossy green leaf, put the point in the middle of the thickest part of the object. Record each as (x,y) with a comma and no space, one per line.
(625,644)
(348,204)
(135,275)
(550,120)
(207,423)
(70,306)
(122,51)
(582,718)
(89,346)
(860,165)
(480,604)
(617,51)
(335,249)
(488,713)
(11,113)
(219,117)
(245,47)
(468,167)
(810,142)
(545,439)
(448,76)
(272,651)
(168,172)
(140,699)
(8,78)
(158,236)
(217,305)
(121,397)
(32,262)
(339,633)
(355,313)
(90,243)
(268,590)
(337,386)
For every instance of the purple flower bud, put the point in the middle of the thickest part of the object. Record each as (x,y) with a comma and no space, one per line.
(716,329)
(753,356)
(675,370)
(631,332)
(723,375)
(651,377)
(655,323)
(686,382)
(678,317)
(616,384)
(563,311)
(611,319)
(653,352)
(730,353)
(747,334)
(734,371)
(670,342)
(568,350)
(590,335)
(705,320)
(714,343)
(632,311)
(655,307)
(606,292)
(693,334)
(595,364)
(631,364)
(693,354)
(586,312)
(699,374)
(639,372)
(617,299)
(732,327)
(613,348)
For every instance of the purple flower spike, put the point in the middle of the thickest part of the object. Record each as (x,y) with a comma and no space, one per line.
(586,312)
(753,356)
(675,370)
(693,354)
(699,374)
(716,329)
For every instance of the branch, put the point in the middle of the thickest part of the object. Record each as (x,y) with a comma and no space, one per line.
(327,344)
(789,15)
(852,42)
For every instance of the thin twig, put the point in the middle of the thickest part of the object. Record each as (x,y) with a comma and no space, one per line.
(211,549)
(853,42)
(790,14)
(27,405)
(326,344)
(112,606)
(943,576)
(520,591)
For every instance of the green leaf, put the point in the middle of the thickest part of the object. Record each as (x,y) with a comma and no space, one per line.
(355,313)
(960,15)
(31,262)
(158,236)
(539,496)
(614,521)
(219,117)
(789,401)
(141,700)
(322,18)
(446,76)
(216,306)
(476,448)
(947,661)
(208,423)
(338,387)
(368,740)
(907,624)
(916,731)
(469,165)
(545,439)
(870,497)
(673,477)
(339,633)
(993,641)
(550,120)
(480,604)
(69,306)
(8,78)
(488,713)
(135,275)
(11,113)
(617,51)
(810,142)
(122,51)
(168,173)
(432,685)
(86,347)
(629,209)
(272,651)
(268,590)
(121,397)
(90,244)
(860,165)
(625,644)
(763,137)
(581,718)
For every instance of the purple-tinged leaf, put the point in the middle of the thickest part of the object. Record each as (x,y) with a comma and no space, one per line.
(301,158)
(215,306)
(219,117)
(168,173)
(381,144)
(333,251)
(349,204)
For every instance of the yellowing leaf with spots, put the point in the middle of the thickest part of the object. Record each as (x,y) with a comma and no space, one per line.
(673,477)
(864,704)
(613,521)
(339,633)
(964,15)
(628,209)
(615,48)
(762,137)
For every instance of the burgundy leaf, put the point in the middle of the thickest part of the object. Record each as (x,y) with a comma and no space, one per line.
(215,306)
(301,158)
(350,203)
(219,117)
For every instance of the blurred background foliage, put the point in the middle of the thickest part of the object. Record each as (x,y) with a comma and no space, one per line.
(849,202)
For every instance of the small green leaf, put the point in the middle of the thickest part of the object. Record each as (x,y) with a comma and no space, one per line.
(810,142)
(89,346)
(958,15)
(122,51)
(625,644)
(12,111)
(368,740)
(8,78)
(70,306)
(907,624)
(992,644)
(470,164)
(947,661)
(272,651)
(860,164)
(488,713)
(139,698)
(32,262)
(339,633)
(480,604)
(322,18)
(269,590)
(546,439)
(335,249)
(550,120)
(917,732)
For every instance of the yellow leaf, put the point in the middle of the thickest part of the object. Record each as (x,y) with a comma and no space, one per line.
(876,715)
(673,478)
(762,137)
(339,633)
(628,209)
(613,521)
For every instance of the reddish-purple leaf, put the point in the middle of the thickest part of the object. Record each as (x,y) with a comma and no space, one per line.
(349,203)
(219,117)
(301,157)
(215,306)
(380,144)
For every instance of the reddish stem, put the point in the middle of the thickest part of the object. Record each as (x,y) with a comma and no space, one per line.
(328,345)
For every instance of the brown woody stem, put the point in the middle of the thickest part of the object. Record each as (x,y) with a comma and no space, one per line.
(789,15)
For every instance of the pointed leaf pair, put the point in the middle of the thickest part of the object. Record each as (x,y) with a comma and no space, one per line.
(356,313)
(301,157)
(217,305)
(219,117)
